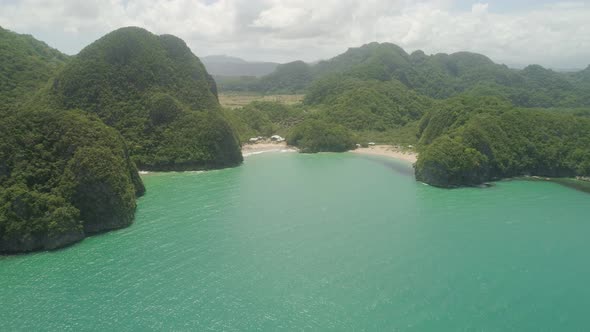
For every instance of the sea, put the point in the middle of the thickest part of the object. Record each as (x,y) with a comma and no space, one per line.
(321,242)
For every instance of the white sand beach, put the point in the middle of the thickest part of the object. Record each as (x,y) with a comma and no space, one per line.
(388,151)
(257,148)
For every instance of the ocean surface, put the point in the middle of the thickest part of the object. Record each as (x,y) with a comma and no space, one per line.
(317,242)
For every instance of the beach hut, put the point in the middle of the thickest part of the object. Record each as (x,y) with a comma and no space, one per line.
(276,138)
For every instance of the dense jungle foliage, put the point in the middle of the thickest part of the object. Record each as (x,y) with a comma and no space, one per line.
(264,119)
(313,135)
(26,64)
(73,129)
(469,140)
(156,93)
(375,111)
(63,174)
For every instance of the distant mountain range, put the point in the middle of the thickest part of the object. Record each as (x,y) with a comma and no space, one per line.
(438,76)
(223,65)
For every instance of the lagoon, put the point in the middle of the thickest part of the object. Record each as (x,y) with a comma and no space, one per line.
(317,242)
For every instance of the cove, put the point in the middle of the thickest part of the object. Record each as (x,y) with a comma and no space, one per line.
(317,242)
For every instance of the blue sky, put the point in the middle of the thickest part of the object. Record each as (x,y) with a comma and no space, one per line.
(551,33)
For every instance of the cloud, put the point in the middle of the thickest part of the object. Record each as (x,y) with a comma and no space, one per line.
(479,8)
(554,34)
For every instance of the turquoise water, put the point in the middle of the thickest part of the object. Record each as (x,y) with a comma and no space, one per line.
(317,242)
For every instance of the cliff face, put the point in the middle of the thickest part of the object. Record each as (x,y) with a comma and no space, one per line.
(64,175)
(40,242)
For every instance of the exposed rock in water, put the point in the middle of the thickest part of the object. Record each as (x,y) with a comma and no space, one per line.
(40,242)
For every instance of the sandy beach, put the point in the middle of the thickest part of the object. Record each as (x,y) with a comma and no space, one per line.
(257,148)
(377,150)
(388,151)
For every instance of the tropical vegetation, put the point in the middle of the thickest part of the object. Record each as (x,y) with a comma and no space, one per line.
(63,175)
(74,130)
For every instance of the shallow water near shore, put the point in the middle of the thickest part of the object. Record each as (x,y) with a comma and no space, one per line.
(318,242)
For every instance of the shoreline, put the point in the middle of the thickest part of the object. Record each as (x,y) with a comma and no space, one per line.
(581,184)
(572,183)
(258,148)
(388,151)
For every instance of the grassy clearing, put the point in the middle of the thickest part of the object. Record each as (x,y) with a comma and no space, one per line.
(236,100)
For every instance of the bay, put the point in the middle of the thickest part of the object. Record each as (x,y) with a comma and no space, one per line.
(317,242)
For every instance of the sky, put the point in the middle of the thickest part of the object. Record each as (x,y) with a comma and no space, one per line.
(554,34)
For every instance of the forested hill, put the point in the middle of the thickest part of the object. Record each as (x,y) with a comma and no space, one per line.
(470,140)
(63,175)
(26,64)
(73,130)
(156,93)
(439,76)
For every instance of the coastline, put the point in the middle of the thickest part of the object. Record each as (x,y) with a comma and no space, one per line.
(247,150)
(572,183)
(388,151)
(258,148)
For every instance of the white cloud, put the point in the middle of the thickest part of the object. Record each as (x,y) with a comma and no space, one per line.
(555,34)
(479,8)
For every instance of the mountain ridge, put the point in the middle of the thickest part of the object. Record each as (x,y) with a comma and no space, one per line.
(224,65)
(439,76)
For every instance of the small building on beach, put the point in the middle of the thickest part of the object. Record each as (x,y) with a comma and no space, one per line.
(277,138)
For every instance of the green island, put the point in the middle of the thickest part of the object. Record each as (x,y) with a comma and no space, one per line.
(74,130)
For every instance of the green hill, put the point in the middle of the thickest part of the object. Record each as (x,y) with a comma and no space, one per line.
(288,78)
(63,175)
(26,64)
(437,76)
(366,104)
(156,93)
(76,127)
(312,136)
(467,141)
